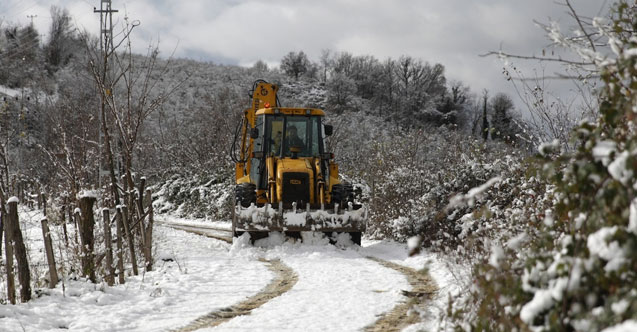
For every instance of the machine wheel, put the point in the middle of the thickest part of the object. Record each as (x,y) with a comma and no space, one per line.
(245,194)
(257,236)
(356,237)
(342,193)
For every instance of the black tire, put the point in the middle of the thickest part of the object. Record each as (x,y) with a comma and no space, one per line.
(343,193)
(356,237)
(257,236)
(245,194)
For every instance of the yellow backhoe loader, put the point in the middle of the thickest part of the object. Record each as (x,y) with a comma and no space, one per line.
(285,180)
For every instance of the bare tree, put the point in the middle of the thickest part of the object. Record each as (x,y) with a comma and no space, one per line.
(421,88)
(578,55)
(326,62)
(295,64)
(130,93)
(340,91)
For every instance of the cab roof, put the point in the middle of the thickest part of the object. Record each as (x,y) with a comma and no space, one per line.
(291,111)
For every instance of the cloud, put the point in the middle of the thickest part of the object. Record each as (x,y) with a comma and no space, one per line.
(450,32)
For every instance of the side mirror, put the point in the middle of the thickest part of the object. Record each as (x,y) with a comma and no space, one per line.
(328,130)
(327,156)
(254,133)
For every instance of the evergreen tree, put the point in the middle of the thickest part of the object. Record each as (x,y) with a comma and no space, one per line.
(485,121)
(454,102)
(503,127)
(62,41)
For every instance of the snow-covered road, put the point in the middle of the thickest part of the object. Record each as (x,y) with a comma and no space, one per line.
(338,289)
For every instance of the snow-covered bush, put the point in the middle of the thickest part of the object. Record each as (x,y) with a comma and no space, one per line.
(411,175)
(578,271)
(198,196)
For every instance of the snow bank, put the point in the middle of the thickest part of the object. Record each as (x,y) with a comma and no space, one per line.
(9,92)
(627,326)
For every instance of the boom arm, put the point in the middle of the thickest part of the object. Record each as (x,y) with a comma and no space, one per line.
(264,95)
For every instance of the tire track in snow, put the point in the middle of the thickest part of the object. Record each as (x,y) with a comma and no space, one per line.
(423,288)
(285,279)
(211,232)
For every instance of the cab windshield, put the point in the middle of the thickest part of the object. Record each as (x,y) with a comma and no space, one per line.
(288,134)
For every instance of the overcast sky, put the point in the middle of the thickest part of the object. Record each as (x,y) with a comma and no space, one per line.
(450,32)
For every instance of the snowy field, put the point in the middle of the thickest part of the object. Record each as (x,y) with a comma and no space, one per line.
(338,288)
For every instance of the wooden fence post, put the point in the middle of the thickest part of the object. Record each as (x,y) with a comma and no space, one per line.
(130,238)
(110,270)
(75,216)
(66,234)
(148,248)
(43,199)
(141,190)
(8,250)
(140,215)
(120,245)
(48,247)
(24,275)
(87,224)
(14,186)
(3,214)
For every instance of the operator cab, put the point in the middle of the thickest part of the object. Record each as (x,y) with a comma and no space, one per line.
(287,133)
(292,136)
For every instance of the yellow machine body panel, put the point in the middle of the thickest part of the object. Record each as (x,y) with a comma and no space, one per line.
(291,111)
(303,179)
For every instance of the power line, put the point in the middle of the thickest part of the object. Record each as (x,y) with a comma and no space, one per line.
(20,11)
(17,52)
(16,7)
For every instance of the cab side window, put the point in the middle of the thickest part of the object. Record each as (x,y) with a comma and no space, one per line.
(275,138)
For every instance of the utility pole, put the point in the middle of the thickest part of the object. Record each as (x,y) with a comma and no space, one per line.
(32,17)
(106,48)
(106,25)
(21,128)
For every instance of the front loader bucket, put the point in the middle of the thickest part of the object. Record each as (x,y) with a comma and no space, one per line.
(260,220)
